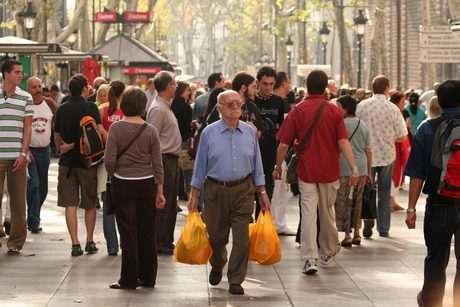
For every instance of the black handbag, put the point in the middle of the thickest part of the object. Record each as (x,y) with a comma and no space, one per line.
(369,206)
(291,175)
(108,187)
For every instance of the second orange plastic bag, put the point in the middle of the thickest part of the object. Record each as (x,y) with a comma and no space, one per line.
(193,246)
(265,244)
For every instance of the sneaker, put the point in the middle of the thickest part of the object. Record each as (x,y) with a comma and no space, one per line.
(327,259)
(76,250)
(310,267)
(91,247)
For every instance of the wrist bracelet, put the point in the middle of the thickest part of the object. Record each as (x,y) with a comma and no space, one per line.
(277,169)
(410,210)
(262,192)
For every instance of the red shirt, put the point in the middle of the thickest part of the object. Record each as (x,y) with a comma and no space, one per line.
(319,161)
(107,121)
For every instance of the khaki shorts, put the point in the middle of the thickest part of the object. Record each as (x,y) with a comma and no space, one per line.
(69,188)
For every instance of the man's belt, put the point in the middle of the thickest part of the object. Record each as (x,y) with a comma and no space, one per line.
(170,155)
(229,184)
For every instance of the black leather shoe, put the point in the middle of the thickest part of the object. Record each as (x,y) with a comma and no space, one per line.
(215,277)
(35,229)
(236,289)
(165,250)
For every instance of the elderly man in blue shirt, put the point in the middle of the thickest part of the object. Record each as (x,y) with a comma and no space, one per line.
(229,168)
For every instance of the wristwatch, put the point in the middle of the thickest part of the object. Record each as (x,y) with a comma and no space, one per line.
(410,210)
(26,156)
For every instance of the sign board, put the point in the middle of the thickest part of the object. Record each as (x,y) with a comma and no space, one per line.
(435,29)
(439,40)
(140,70)
(106,17)
(138,16)
(439,56)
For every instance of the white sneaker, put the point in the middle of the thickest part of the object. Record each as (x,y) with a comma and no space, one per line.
(287,232)
(310,267)
(325,259)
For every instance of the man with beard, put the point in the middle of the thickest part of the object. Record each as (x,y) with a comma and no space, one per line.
(271,109)
(39,152)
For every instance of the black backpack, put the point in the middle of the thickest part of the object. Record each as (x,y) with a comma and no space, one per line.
(444,176)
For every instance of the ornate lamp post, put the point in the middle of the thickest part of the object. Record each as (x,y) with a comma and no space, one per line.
(324,34)
(29,18)
(360,23)
(289,47)
(73,38)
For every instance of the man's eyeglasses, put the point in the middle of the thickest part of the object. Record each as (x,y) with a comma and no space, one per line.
(232,104)
(174,84)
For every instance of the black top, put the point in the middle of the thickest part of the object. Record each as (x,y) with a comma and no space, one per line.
(299,99)
(290,97)
(92,97)
(273,108)
(183,113)
(65,98)
(67,123)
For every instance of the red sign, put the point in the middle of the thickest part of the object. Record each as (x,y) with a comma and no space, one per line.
(138,16)
(106,16)
(141,70)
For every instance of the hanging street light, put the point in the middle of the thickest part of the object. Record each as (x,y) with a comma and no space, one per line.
(289,48)
(29,18)
(360,23)
(73,38)
(324,34)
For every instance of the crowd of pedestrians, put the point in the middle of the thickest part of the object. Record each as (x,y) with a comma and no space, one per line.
(345,139)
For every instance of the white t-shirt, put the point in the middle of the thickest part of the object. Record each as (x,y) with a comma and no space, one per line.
(41,125)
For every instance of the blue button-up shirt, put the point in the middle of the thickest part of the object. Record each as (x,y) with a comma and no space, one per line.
(227,155)
(150,98)
(418,163)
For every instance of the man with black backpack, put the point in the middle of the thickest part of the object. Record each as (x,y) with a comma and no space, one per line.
(78,163)
(429,163)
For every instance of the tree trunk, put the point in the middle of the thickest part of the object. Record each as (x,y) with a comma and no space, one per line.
(16,8)
(301,26)
(344,45)
(141,31)
(454,6)
(80,7)
(104,27)
(378,45)
(427,22)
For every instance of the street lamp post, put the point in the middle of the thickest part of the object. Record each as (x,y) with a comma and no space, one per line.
(360,23)
(289,47)
(324,34)
(29,18)
(73,38)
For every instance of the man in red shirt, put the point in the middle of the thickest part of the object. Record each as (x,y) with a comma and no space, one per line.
(318,169)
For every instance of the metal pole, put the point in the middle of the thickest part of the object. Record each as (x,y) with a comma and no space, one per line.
(324,54)
(289,65)
(45,21)
(398,45)
(359,61)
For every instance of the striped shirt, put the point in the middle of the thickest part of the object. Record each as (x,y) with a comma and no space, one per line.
(13,109)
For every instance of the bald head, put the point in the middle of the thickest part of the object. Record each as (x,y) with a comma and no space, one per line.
(360,94)
(34,88)
(98,81)
(222,97)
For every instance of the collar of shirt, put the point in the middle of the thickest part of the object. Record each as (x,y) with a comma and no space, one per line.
(223,126)
(450,112)
(163,101)
(380,97)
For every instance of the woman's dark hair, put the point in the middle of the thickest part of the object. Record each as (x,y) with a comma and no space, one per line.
(212,101)
(396,97)
(181,88)
(348,103)
(133,101)
(413,99)
(116,89)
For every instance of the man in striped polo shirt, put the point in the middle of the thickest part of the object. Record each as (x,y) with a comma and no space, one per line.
(16,113)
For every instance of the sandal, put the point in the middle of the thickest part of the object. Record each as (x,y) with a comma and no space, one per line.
(118,286)
(357,240)
(346,242)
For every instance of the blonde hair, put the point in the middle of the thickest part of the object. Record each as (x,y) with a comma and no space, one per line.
(104,88)
(433,107)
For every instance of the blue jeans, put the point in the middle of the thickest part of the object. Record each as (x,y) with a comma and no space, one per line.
(108,224)
(384,196)
(37,185)
(441,222)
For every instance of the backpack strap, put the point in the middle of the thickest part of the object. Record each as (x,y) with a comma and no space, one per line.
(437,121)
(357,126)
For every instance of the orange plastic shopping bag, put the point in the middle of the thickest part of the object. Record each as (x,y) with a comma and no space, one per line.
(265,244)
(193,246)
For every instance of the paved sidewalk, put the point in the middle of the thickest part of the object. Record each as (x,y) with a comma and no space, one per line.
(381,272)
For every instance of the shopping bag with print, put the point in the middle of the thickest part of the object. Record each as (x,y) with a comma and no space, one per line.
(193,246)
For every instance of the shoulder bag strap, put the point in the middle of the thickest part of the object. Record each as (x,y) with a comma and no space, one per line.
(349,139)
(311,128)
(121,153)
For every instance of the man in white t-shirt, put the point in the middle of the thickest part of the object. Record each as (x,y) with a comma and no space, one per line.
(39,153)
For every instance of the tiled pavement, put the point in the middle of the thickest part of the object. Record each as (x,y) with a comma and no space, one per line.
(381,272)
